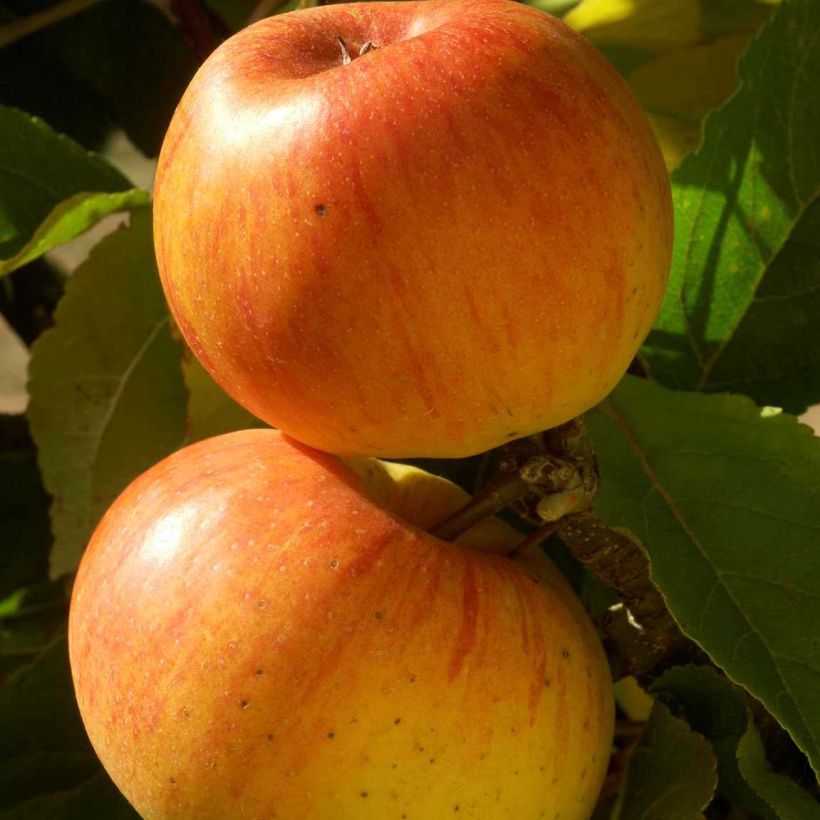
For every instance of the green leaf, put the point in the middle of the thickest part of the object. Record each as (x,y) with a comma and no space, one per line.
(665,25)
(721,17)
(211,411)
(71,218)
(13,369)
(47,766)
(39,170)
(726,502)
(679,88)
(714,707)
(671,774)
(718,709)
(653,25)
(107,396)
(773,356)
(557,8)
(786,798)
(739,201)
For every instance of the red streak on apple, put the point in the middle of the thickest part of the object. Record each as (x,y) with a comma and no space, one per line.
(469,617)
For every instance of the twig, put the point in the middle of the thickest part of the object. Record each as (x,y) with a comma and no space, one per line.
(506,489)
(18,29)
(644,637)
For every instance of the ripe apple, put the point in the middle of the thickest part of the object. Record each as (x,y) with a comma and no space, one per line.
(261,630)
(429,247)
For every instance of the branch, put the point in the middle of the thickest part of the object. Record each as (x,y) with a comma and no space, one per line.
(643,637)
(18,29)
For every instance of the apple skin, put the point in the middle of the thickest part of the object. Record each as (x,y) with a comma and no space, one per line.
(261,630)
(457,239)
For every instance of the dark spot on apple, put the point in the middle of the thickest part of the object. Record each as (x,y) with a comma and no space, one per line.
(542,769)
(565,653)
(261,604)
(397,721)
(432,760)
(186,712)
(334,563)
(320,209)
(364,794)
(394,765)
(258,672)
(244,704)
(270,736)
(173,781)
(379,616)
(456,807)
(583,773)
(512,434)
(331,735)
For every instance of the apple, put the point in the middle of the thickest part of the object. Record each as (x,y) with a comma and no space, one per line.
(412,229)
(261,630)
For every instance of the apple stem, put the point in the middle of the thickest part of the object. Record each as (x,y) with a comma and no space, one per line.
(346,58)
(504,490)
(534,538)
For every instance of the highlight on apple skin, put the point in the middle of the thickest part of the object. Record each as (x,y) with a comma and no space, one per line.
(261,630)
(457,237)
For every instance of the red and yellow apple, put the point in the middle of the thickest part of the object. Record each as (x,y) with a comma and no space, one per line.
(261,630)
(429,247)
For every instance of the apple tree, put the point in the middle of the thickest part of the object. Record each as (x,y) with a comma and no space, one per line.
(695,544)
